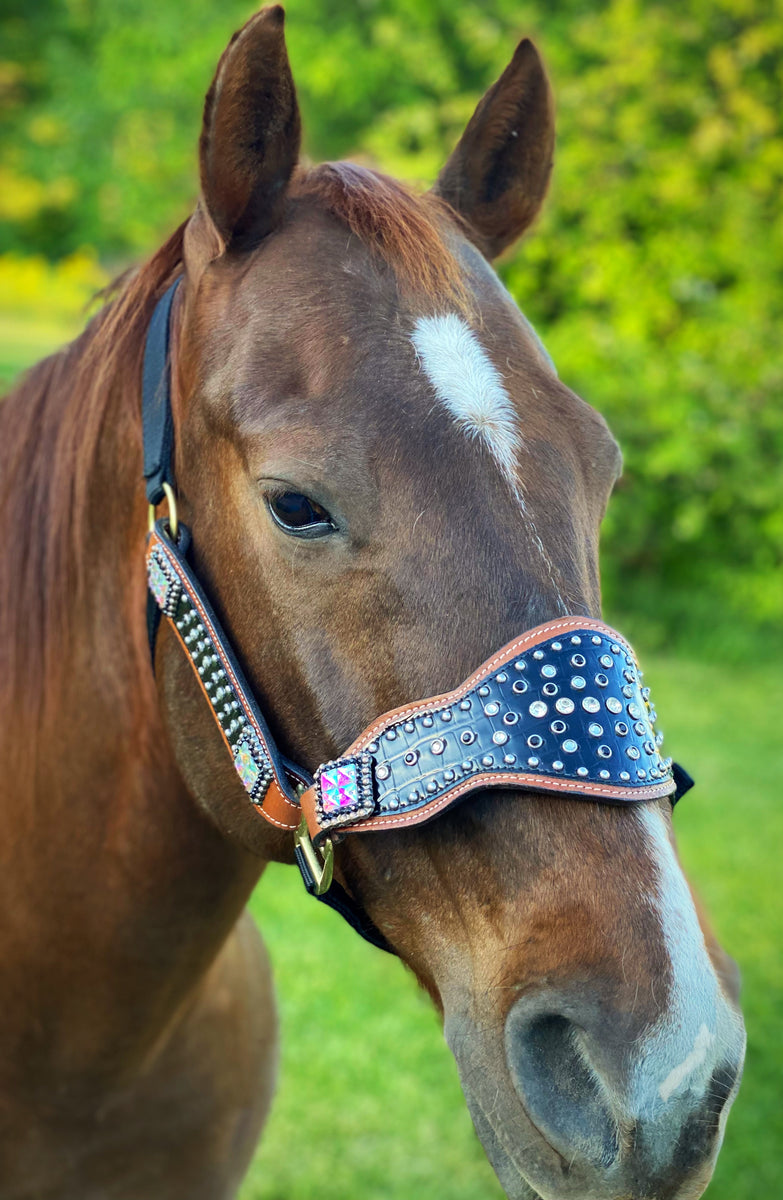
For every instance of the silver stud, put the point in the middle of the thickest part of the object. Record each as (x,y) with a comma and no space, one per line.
(558,727)
(659,739)
(649,747)
(427,721)
(594,729)
(535,742)
(565,705)
(595,640)
(510,718)
(409,727)
(501,678)
(465,705)
(538,655)
(467,765)
(487,761)
(604,751)
(393,802)
(371,749)
(578,682)
(446,715)
(576,640)
(492,709)
(557,765)
(500,738)
(620,728)
(483,691)
(557,645)
(449,776)
(411,757)
(624,776)
(602,680)
(634,711)
(538,709)
(632,752)
(640,728)
(606,660)
(614,705)
(509,759)
(582,771)
(614,649)
(550,689)
(604,774)
(391,735)
(548,671)
(520,665)
(533,761)
(629,676)
(578,660)
(438,746)
(591,705)
(383,771)
(413,796)
(569,746)
(432,786)
(627,690)
(641,773)
(467,737)
(519,686)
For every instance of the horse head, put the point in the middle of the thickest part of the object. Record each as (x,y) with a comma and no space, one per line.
(386,481)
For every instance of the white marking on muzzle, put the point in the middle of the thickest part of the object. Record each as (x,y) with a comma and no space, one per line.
(701,1044)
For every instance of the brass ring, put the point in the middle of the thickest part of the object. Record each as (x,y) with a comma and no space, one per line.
(173,520)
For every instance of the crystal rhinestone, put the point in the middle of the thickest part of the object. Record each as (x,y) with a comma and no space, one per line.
(594,729)
(535,741)
(520,665)
(519,686)
(427,721)
(569,746)
(492,709)
(449,776)
(411,757)
(557,765)
(409,727)
(632,751)
(438,746)
(383,771)
(533,761)
(501,678)
(602,680)
(464,705)
(604,751)
(432,786)
(582,771)
(578,660)
(591,705)
(538,654)
(538,709)
(510,718)
(483,691)
(624,776)
(604,774)
(578,682)
(509,759)
(557,645)
(467,737)
(548,671)
(634,711)
(500,738)
(614,705)
(620,728)
(487,761)
(550,689)
(391,735)
(565,705)
(558,727)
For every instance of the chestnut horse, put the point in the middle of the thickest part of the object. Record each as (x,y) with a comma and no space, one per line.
(386,481)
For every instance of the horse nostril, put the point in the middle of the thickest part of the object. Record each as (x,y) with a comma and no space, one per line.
(560,1089)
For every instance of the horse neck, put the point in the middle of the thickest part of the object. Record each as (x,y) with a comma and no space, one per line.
(102,838)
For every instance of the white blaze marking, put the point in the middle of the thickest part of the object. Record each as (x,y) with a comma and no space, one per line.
(701,1044)
(470,386)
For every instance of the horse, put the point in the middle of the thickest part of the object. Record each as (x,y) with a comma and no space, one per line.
(385,480)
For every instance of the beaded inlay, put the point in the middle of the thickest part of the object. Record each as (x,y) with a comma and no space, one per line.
(344,790)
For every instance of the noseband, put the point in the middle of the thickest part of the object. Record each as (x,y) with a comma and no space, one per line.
(560,709)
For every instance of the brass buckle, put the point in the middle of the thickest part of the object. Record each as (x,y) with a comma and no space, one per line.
(321,869)
(173,521)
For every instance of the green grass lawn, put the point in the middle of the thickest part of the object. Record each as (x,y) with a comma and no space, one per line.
(369,1104)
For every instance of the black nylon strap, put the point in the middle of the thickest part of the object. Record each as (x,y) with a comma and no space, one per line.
(338,899)
(157,422)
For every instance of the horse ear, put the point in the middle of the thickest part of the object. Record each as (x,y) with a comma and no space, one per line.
(497,176)
(251,132)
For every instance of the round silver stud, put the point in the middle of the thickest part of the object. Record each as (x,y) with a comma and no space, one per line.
(641,773)
(606,660)
(576,640)
(557,765)
(602,680)
(595,640)
(604,774)
(535,742)
(591,705)
(467,737)
(640,728)
(427,721)
(649,747)
(487,761)
(538,655)
(509,759)
(632,752)
(432,786)
(604,751)
(492,709)
(627,690)
(382,772)
(578,660)
(550,689)
(449,776)
(538,709)
(510,718)
(624,776)
(393,802)
(558,727)
(621,729)
(438,746)
(413,797)
(409,727)
(594,729)
(614,649)
(614,705)
(446,715)
(500,738)
(582,771)
(371,749)
(569,746)
(578,682)
(548,671)
(411,757)
(557,645)
(565,705)
(533,761)
(634,712)
(483,691)
(467,765)
(501,678)
(519,686)
(464,705)
(520,665)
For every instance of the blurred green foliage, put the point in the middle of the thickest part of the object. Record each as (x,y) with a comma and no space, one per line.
(655,274)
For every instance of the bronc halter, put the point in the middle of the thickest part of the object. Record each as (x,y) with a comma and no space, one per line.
(560,709)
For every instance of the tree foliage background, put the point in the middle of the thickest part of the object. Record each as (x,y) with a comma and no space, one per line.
(654,275)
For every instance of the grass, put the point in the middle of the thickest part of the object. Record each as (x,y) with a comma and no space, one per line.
(369,1104)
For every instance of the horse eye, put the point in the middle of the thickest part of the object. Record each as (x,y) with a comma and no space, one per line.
(300,516)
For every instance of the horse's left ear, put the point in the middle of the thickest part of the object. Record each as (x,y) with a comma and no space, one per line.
(497,176)
(251,133)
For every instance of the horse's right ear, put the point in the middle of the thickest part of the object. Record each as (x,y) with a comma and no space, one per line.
(251,132)
(497,176)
